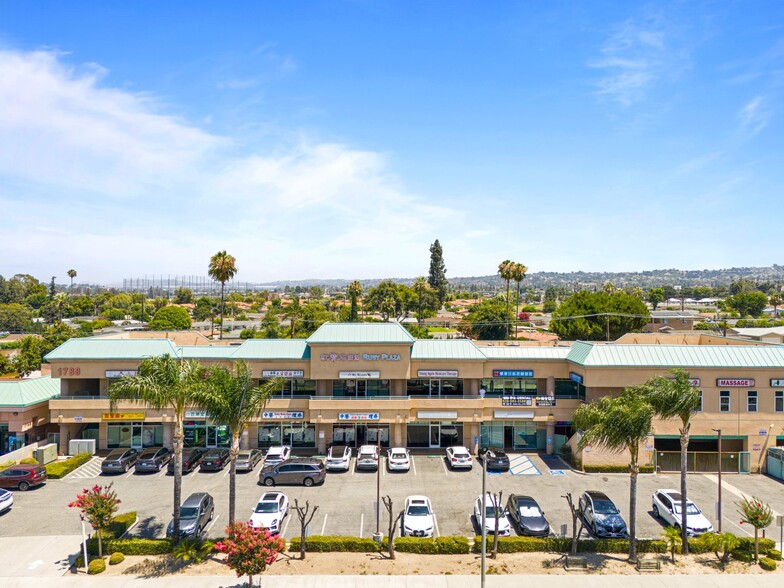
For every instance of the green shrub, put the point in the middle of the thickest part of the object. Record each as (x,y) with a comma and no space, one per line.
(615,469)
(79,561)
(60,469)
(326,543)
(120,524)
(440,546)
(743,555)
(767,564)
(116,558)
(564,544)
(774,554)
(747,544)
(6,465)
(96,567)
(193,549)
(29,461)
(134,546)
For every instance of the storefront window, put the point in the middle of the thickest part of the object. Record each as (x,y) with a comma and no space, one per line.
(418,434)
(513,435)
(297,387)
(450,387)
(356,435)
(434,434)
(360,388)
(344,435)
(569,388)
(270,434)
(510,386)
(195,433)
(134,435)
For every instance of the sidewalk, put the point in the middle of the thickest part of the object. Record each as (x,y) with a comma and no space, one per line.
(556,581)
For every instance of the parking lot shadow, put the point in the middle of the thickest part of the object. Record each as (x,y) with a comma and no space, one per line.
(149,528)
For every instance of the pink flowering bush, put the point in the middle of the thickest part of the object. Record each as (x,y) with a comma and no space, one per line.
(98,505)
(249,551)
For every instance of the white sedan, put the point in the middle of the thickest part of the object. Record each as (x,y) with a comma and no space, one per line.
(459,457)
(494,511)
(398,459)
(418,517)
(269,512)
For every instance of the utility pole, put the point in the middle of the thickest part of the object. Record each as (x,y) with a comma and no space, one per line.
(718,505)
(377,534)
(484,518)
(608,326)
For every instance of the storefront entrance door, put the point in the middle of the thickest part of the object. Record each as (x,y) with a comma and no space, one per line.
(136,435)
(435,435)
(217,436)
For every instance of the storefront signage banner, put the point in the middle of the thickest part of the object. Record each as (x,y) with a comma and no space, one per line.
(545,401)
(283,415)
(437,373)
(575,377)
(123,416)
(358,416)
(513,373)
(195,414)
(360,356)
(735,383)
(517,401)
(282,373)
(777,383)
(512,414)
(442,415)
(359,375)
(110,374)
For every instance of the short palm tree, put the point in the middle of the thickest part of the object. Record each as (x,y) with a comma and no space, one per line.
(506,271)
(222,268)
(775,302)
(672,537)
(354,291)
(231,397)
(164,383)
(676,398)
(72,274)
(619,423)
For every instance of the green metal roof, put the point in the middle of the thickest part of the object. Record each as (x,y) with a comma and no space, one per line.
(272,349)
(361,333)
(525,352)
(448,349)
(100,348)
(686,356)
(19,393)
(206,351)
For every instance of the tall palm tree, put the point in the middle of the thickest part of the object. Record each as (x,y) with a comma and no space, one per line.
(619,423)
(676,398)
(505,270)
(518,275)
(71,274)
(164,383)
(231,397)
(354,291)
(222,268)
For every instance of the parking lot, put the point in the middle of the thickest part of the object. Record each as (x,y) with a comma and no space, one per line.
(347,500)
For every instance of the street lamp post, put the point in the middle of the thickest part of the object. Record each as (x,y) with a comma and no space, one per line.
(377,534)
(718,508)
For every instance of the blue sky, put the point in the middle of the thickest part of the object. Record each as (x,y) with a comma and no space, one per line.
(339,139)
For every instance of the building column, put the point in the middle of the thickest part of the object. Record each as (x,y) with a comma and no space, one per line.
(550,438)
(65,437)
(321,438)
(253,435)
(471,387)
(323,387)
(168,435)
(550,386)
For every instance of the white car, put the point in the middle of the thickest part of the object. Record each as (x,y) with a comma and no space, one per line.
(367,458)
(493,511)
(338,458)
(418,519)
(398,459)
(270,511)
(275,455)
(667,506)
(6,500)
(459,457)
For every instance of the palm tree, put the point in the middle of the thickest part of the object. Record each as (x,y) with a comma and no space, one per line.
(619,423)
(775,302)
(164,383)
(518,275)
(505,270)
(231,397)
(71,274)
(222,268)
(420,287)
(354,291)
(676,398)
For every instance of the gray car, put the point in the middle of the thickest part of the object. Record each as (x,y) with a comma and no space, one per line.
(119,461)
(248,459)
(299,470)
(197,510)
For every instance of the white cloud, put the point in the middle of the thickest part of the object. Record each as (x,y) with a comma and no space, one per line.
(753,116)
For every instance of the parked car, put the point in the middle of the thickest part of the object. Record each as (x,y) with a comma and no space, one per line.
(270,511)
(191,458)
(367,458)
(459,457)
(197,510)
(248,459)
(418,518)
(6,500)
(338,458)
(119,460)
(494,458)
(667,506)
(398,459)
(601,515)
(277,454)
(214,460)
(493,511)
(299,470)
(23,477)
(527,516)
(153,459)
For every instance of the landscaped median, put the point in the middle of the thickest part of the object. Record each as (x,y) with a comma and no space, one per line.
(421,545)
(60,469)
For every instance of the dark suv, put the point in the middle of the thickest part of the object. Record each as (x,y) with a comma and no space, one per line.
(601,515)
(299,470)
(197,510)
(153,459)
(119,460)
(191,458)
(23,477)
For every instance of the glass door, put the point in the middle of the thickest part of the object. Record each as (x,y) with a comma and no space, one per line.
(218,436)
(435,435)
(361,388)
(136,435)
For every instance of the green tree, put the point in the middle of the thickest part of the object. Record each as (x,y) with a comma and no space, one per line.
(775,302)
(30,355)
(222,268)
(593,312)
(15,317)
(171,318)
(388,298)
(204,308)
(676,398)
(354,291)
(98,505)
(506,271)
(164,383)
(619,423)
(52,288)
(183,295)
(71,274)
(232,397)
(748,303)
(436,276)
(488,319)
(672,537)
(656,297)
(756,513)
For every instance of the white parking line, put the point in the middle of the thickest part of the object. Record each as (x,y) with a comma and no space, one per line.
(383,467)
(435,522)
(130,473)
(164,471)
(324,525)
(413,464)
(285,525)
(361,523)
(212,522)
(354,466)
(443,464)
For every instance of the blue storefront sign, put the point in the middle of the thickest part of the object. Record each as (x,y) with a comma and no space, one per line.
(576,377)
(513,373)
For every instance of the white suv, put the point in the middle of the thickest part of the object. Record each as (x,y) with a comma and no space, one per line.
(270,511)
(493,511)
(459,457)
(367,458)
(418,518)
(667,506)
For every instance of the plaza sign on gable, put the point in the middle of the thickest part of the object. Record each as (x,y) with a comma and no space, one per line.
(360,356)
(735,382)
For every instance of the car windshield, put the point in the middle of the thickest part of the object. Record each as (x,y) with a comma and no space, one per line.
(244,455)
(148,453)
(604,507)
(398,456)
(267,507)
(530,511)
(417,510)
(493,511)
(691,509)
(189,512)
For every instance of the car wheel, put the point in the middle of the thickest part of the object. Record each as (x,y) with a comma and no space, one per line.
(308,482)
(269,482)
(24,486)
(656,512)
(126,468)
(677,526)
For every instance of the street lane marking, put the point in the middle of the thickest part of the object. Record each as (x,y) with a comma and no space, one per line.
(361,523)
(324,525)
(286,526)
(443,464)
(131,472)
(212,522)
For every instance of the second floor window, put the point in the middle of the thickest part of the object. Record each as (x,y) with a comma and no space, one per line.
(724,401)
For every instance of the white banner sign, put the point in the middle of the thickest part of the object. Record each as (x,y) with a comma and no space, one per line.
(120,373)
(282,374)
(284,414)
(735,382)
(437,373)
(694,382)
(777,383)
(358,416)
(195,414)
(359,375)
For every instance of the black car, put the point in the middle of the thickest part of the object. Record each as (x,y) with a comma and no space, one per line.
(153,459)
(214,460)
(527,516)
(197,510)
(601,515)
(119,460)
(495,457)
(191,458)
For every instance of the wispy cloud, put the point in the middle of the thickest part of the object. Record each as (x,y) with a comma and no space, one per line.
(753,116)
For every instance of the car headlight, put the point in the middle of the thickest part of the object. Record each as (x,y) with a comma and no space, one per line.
(274,522)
